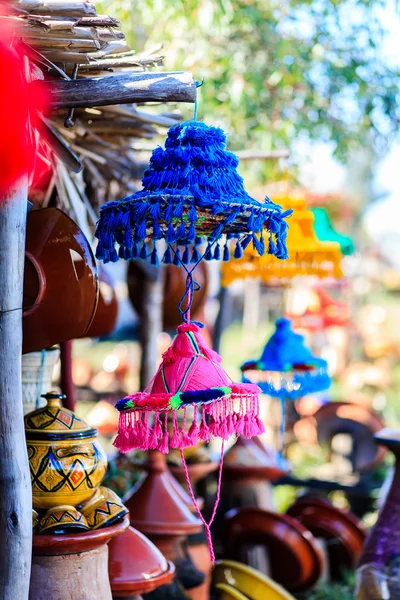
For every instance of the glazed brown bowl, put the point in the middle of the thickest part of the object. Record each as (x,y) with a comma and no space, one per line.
(295,558)
(343,532)
(60,281)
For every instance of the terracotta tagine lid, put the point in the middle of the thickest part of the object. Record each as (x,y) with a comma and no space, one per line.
(135,565)
(155,507)
(343,532)
(250,459)
(296,560)
(67,463)
(73,543)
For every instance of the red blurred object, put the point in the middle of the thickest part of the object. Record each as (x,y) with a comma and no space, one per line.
(323,313)
(19,103)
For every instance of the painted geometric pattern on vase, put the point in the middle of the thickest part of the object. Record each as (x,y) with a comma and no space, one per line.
(105,514)
(65,470)
(64,519)
(47,419)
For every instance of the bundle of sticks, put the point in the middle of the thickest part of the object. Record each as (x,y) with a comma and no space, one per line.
(98,129)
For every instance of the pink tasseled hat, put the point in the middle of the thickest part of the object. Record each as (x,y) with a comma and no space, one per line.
(190,376)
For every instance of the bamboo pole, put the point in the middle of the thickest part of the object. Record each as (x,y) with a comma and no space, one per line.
(122,89)
(15,485)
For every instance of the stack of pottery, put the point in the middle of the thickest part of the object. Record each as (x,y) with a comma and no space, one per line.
(75,517)
(67,467)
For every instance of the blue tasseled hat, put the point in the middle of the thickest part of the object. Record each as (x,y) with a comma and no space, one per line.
(191,192)
(286,353)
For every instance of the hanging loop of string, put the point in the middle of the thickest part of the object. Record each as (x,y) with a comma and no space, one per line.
(187,298)
(207,526)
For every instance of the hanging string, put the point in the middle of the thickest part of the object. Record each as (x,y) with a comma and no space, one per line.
(282,430)
(207,526)
(198,84)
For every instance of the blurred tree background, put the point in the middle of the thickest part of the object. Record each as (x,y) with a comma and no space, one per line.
(278,70)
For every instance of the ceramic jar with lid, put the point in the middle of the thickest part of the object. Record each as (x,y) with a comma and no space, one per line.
(67,463)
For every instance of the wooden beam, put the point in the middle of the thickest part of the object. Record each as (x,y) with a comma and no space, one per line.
(122,89)
(15,483)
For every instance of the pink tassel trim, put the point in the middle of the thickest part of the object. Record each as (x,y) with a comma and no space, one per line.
(237,414)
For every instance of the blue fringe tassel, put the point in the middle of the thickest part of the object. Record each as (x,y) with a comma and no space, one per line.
(177,257)
(226,255)
(167,258)
(186,256)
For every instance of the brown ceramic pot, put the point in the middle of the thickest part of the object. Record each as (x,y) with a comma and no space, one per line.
(51,545)
(105,317)
(295,558)
(250,459)
(135,565)
(174,289)
(360,422)
(60,281)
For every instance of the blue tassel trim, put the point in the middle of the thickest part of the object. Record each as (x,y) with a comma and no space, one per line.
(191,190)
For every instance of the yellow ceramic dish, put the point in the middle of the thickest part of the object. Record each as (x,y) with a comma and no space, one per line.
(226,592)
(248,581)
(62,520)
(66,461)
(104,509)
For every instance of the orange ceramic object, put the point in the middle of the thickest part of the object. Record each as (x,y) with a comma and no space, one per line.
(135,565)
(342,530)
(72,543)
(295,558)
(60,281)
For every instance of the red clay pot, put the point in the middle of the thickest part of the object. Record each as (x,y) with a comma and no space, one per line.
(51,545)
(60,281)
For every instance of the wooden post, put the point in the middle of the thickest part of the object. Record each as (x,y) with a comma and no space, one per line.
(15,484)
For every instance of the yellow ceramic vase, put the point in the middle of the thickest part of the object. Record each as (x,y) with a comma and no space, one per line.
(67,463)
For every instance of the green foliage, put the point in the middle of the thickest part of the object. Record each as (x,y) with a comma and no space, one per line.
(275,70)
(334,591)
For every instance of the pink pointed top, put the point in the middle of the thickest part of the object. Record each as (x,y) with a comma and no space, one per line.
(189,364)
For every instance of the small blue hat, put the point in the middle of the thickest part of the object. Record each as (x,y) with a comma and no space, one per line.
(286,353)
(191,192)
